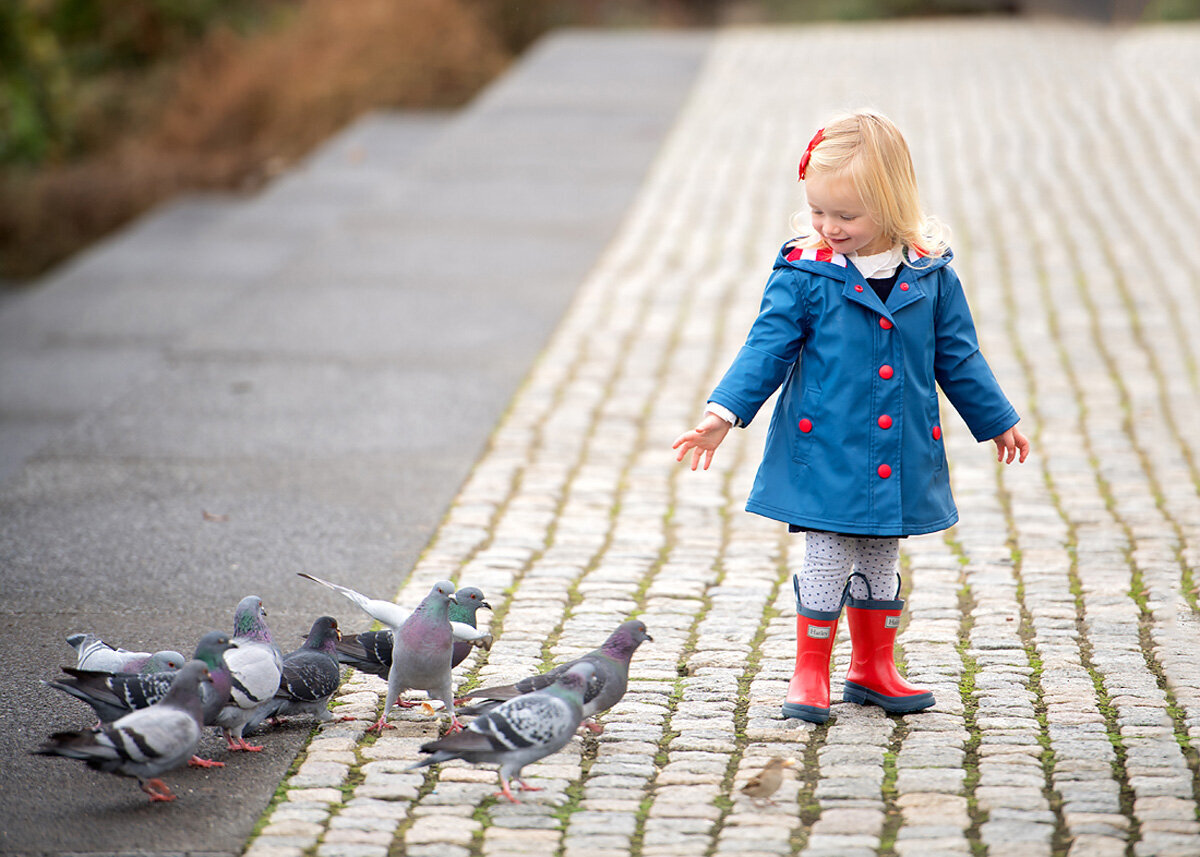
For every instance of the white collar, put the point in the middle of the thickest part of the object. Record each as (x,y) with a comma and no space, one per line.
(878,264)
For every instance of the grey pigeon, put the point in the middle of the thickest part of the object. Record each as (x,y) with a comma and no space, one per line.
(145,743)
(255,667)
(519,731)
(604,690)
(311,675)
(371,651)
(92,653)
(113,695)
(421,652)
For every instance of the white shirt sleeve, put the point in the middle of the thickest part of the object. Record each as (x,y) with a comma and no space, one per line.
(722,412)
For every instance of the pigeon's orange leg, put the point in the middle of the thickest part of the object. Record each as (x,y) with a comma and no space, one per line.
(158,790)
(236,744)
(504,790)
(380,725)
(197,762)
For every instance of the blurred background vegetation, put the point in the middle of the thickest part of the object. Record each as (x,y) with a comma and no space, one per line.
(110,106)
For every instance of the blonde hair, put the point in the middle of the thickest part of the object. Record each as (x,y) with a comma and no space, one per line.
(869,149)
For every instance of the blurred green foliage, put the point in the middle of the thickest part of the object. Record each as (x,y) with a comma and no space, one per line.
(1172,10)
(52,53)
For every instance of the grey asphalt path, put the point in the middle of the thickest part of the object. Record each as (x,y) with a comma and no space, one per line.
(232,391)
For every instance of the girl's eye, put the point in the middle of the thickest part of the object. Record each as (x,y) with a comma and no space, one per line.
(849,217)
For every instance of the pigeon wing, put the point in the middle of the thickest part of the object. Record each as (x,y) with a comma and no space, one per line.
(309,676)
(369,652)
(255,671)
(387,612)
(113,695)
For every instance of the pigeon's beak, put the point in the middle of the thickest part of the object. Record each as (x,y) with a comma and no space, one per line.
(789,763)
(338,631)
(485,604)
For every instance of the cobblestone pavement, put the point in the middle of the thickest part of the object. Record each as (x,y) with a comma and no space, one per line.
(1056,624)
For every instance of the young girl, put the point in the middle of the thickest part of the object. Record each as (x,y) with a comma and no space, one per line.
(859,319)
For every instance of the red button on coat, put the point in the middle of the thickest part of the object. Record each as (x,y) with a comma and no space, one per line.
(805,425)
(937,432)
(858,288)
(884,471)
(885,371)
(885,422)
(904,287)
(885,324)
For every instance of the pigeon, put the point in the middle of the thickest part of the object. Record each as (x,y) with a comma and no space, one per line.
(92,653)
(393,615)
(519,731)
(463,606)
(311,675)
(604,690)
(766,782)
(371,651)
(143,743)
(421,651)
(113,695)
(255,666)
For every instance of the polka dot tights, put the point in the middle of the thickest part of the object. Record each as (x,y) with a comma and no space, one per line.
(830,559)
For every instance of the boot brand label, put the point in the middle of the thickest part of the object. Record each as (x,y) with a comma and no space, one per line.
(818,633)
(891,622)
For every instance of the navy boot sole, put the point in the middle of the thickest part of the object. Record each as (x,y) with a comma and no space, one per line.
(856,693)
(805,712)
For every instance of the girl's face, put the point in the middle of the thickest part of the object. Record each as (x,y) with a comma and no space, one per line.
(839,216)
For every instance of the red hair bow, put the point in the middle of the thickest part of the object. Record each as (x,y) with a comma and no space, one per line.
(807,156)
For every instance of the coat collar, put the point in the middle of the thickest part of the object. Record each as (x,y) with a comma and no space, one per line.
(855,287)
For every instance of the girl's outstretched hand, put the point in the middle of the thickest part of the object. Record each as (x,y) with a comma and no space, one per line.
(1011,444)
(702,441)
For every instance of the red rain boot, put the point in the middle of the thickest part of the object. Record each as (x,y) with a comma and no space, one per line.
(872,678)
(808,693)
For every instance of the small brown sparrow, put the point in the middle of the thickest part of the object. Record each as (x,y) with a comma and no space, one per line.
(766,782)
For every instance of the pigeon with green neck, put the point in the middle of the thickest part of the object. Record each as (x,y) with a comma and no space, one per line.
(371,651)
(256,666)
(421,650)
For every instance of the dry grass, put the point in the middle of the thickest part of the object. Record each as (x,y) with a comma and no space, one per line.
(241,109)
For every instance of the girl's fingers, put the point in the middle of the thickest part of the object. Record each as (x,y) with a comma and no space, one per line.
(688,437)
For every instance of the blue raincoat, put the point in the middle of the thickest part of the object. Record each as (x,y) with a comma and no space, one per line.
(855,443)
